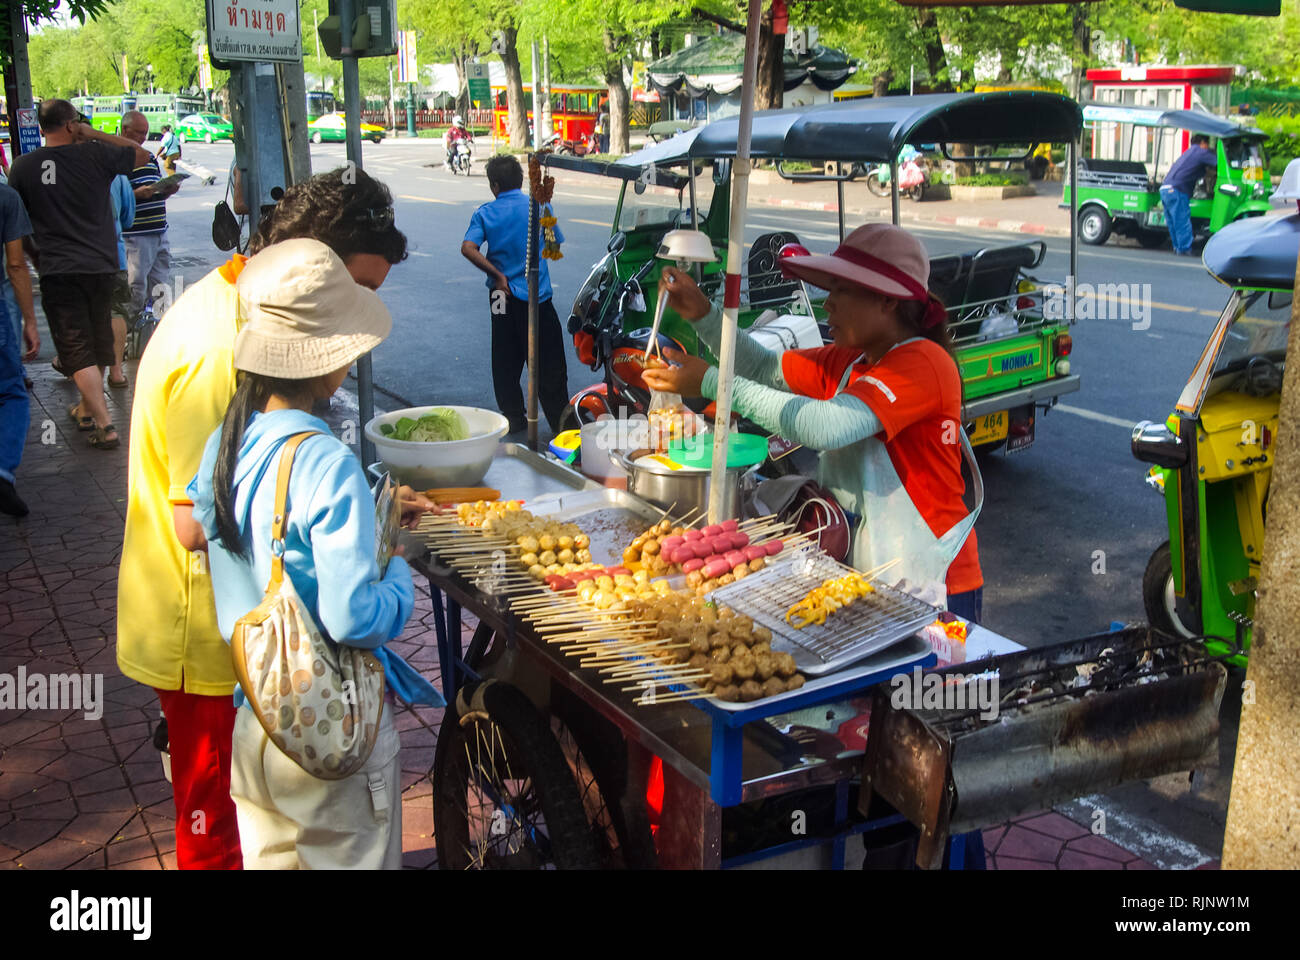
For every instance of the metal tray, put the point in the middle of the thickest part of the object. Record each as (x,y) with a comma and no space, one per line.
(521,474)
(612,518)
(850,634)
(911,649)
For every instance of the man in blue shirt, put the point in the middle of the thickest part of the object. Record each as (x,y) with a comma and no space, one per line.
(1176,191)
(503,226)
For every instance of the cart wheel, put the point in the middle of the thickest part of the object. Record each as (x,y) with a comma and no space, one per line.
(503,796)
(1094,226)
(1158,594)
(597,756)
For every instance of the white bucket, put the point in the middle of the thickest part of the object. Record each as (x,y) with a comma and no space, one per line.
(604,436)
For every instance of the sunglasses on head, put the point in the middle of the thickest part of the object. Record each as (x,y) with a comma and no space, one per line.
(377,218)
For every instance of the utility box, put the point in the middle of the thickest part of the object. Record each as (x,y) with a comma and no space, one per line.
(374,29)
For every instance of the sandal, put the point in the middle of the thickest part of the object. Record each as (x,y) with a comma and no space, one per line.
(84,424)
(100,440)
(118,384)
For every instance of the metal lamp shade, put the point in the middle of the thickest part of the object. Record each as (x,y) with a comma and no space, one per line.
(690,246)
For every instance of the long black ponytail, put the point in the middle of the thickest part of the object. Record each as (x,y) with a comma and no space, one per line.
(251,394)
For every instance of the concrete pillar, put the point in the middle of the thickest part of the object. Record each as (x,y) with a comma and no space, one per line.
(1263,829)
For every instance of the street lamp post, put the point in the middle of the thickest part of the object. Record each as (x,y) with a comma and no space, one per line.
(149,70)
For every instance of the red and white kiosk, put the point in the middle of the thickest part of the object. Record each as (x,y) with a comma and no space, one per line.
(1202,87)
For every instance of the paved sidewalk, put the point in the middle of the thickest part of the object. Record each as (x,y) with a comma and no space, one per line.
(89,793)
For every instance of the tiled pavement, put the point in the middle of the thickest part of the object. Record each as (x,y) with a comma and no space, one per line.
(90,794)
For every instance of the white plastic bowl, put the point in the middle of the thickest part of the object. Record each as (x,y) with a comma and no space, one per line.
(451,463)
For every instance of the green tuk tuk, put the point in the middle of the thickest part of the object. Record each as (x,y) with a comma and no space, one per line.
(1213,457)
(1132,149)
(1011,331)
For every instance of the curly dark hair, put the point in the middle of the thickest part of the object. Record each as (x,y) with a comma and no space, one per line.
(346,209)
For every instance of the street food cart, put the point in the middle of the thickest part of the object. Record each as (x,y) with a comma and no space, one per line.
(545,758)
(645,688)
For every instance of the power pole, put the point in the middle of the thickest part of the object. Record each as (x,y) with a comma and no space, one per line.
(17,74)
(352,99)
(545,112)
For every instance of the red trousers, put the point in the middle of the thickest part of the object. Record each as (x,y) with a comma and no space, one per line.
(199,730)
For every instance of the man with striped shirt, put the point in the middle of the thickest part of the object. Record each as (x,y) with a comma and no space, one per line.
(148,254)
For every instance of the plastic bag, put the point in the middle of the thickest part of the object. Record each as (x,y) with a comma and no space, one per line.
(666,414)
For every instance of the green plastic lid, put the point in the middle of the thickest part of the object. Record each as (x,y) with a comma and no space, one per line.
(743,450)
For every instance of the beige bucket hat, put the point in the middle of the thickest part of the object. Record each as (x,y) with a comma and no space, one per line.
(303,314)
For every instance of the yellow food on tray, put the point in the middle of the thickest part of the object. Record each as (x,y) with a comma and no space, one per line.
(826,599)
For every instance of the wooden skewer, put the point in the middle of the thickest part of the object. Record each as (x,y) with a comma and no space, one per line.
(673,698)
(877,571)
(643,686)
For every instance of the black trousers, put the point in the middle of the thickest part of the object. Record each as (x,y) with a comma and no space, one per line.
(510,359)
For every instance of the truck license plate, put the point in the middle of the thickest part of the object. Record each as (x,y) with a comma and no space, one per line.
(989,428)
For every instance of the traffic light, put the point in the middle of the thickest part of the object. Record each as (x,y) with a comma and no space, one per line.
(374,31)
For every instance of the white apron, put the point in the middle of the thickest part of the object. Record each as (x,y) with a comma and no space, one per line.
(864,481)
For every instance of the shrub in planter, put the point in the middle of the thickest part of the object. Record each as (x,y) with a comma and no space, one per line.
(992,180)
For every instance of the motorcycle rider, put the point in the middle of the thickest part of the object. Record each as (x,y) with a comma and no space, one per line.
(455,132)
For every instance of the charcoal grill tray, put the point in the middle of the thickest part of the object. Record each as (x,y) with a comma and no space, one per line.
(848,635)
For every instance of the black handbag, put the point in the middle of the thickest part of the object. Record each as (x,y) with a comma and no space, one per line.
(225,228)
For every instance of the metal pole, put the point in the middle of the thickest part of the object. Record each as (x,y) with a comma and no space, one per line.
(545,111)
(893,191)
(352,100)
(735,250)
(537,103)
(531,259)
(18,79)
(392,104)
(1072,280)
(839,193)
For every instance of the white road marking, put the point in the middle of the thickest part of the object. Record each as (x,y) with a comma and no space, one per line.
(583,196)
(1092,415)
(594,223)
(1152,842)
(407,196)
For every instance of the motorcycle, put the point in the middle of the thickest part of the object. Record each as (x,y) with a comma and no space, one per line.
(599,338)
(460,157)
(1212,459)
(573,148)
(913,176)
(596,326)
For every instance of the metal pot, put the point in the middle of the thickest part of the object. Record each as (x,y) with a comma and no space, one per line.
(684,489)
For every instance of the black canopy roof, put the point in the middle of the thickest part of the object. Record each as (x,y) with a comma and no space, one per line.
(877,128)
(1255,252)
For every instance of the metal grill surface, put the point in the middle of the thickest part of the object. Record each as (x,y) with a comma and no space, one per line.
(850,633)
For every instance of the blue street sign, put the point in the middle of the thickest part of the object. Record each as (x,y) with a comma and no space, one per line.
(29,131)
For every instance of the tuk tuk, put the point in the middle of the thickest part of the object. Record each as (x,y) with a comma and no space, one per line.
(1012,344)
(1213,457)
(1133,148)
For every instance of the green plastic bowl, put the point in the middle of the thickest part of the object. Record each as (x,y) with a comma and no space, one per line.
(743,450)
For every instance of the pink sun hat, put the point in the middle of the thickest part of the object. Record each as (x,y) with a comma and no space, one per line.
(879,257)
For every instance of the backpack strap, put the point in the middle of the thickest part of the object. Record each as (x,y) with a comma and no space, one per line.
(281,516)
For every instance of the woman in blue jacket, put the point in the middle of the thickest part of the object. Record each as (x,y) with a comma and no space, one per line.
(306,321)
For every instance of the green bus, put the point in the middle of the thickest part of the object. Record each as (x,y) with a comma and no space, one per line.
(106,112)
(167,108)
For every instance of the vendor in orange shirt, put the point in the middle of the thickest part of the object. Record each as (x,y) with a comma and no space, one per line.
(882,403)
